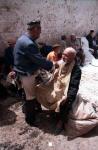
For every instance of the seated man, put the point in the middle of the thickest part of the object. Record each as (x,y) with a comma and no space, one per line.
(68,56)
(54,56)
(63,42)
(9,53)
(74,42)
(90,40)
(10,63)
(61,87)
(80,57)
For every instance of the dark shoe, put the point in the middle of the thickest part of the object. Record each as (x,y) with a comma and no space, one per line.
(29,111)
(59,127)
(30,119)
(58,131)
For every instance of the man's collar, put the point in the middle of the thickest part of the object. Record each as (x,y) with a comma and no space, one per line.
(27,34)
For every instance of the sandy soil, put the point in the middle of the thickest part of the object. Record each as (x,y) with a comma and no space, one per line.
(15,134)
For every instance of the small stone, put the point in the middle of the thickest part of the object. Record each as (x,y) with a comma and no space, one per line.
(50,144)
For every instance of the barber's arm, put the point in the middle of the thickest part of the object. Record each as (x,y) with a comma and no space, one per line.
(72,92)
(33,53)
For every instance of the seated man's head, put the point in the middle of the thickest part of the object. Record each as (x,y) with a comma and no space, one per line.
(73,37)
(63,37)
(92,33)
(68,55)
(34,29)
(12,42)
(57,48)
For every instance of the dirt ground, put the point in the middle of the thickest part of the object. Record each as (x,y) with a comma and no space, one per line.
(15,134)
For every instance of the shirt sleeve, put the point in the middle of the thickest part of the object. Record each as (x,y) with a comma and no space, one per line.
(48,57)
(35,56)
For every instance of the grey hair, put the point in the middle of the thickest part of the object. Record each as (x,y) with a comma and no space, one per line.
(73,34)
(71,50)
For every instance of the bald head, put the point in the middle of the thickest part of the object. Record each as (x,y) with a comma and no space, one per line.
(73,37)
(69,54)
(12,42)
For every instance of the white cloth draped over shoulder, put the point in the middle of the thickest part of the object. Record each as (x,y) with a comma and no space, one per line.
(84,114)
(89,58)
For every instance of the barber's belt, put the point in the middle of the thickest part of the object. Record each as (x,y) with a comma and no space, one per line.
(25,74)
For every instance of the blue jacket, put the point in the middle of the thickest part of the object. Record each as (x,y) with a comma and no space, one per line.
(27,57)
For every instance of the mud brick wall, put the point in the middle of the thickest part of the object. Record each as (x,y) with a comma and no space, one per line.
(57,17)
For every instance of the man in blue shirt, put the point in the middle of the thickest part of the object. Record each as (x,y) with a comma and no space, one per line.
(9,53)
(27,62)
(90,37)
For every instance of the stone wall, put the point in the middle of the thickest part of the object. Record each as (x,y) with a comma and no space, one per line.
(57,17)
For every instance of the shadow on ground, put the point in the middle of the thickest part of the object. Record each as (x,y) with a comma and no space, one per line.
(46,121)
(7,117)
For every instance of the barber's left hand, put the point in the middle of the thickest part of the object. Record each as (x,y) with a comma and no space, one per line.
(12,74)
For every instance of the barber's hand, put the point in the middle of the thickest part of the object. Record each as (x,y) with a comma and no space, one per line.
(12,74)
